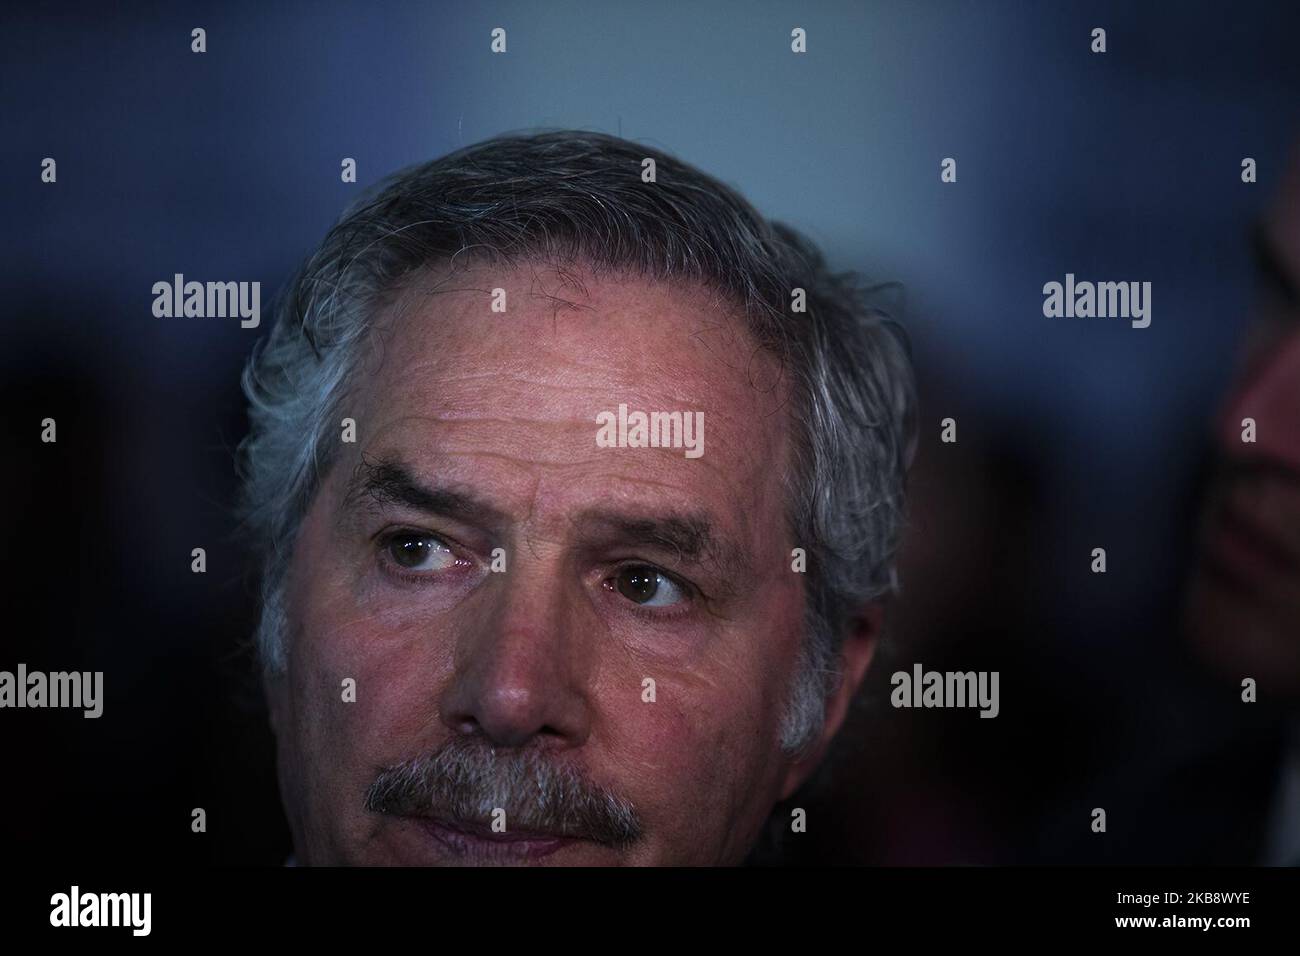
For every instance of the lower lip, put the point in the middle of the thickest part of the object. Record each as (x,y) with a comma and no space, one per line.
(499,846)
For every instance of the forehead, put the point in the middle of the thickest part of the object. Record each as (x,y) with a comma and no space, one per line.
(455,385)
(604,331)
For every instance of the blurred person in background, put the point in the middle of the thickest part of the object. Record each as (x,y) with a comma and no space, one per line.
(1243,600)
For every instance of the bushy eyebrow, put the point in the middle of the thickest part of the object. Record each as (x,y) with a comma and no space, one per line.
(690,537)
(389,481)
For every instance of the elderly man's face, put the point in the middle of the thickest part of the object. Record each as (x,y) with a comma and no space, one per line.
(614,694)
(1244,607)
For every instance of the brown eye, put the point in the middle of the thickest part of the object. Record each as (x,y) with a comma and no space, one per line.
(420,552)
(647,587)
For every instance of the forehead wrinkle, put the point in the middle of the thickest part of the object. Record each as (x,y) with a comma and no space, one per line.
(639,372)
(450,421)
(592,374)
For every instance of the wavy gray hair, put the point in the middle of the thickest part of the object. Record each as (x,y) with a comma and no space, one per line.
(564,195)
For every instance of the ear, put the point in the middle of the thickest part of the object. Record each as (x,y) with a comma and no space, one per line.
(856,653)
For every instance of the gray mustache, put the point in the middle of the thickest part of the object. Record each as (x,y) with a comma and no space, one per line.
(466,780)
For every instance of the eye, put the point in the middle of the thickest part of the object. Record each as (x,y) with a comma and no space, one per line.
(419,552)
(645,586)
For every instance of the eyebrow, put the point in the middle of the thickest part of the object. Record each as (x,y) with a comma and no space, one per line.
(389,481)
(1271,265)
(691,537)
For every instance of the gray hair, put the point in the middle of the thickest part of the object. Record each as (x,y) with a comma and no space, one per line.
(569,195)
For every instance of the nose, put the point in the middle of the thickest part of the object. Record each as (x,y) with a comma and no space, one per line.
(522,669)
(1271,396)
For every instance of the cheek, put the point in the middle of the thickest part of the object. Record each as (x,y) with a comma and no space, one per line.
(377,685)
(695,761)
(365,674)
